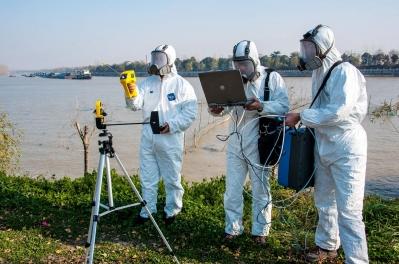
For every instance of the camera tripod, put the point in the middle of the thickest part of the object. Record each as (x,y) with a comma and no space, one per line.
(106,152)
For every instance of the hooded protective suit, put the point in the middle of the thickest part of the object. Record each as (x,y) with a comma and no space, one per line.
(161,155)
(242,150)
(340,153)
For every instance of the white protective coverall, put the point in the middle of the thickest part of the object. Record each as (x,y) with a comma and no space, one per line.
(340,153)
(162,154)
(246,142)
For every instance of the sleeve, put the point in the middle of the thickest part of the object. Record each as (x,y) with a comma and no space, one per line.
(278,103)
(344,92)
(136,103)
(186,108)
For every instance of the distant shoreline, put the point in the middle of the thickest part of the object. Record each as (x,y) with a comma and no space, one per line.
(377,72)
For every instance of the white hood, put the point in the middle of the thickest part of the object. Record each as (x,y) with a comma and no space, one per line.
(239,51)
(324,39)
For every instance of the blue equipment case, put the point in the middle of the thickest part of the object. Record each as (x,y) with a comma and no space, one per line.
(297,160)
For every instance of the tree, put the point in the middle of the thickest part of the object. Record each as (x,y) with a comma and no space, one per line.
(85,135)
(275,60)
(394,55)
(195,63)
(352,58)
(366,59)
(178,64)
(210,63)
(225,63)
(284,61)
(345,57)
(265,61)
(294,60)
(380,58)
(355,59)
(10,140)
(395,59)
(187,65)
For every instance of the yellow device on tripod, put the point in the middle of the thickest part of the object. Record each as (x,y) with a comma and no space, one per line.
(99,109)
(100,114)
(129,77)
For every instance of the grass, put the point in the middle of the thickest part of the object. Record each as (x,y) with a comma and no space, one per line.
(387,109)
(46,221)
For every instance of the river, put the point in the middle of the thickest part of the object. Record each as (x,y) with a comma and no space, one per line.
(45,110)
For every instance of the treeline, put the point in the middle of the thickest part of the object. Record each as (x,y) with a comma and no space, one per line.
(275,60)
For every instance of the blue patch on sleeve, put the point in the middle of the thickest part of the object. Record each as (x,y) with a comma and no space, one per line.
(171,97)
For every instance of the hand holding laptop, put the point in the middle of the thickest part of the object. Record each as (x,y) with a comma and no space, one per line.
(216,109)
(253,104)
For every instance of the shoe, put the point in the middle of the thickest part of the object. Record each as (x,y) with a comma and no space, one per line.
(260,240)
(319,255)
(228,237)
(168,220)
(139,220)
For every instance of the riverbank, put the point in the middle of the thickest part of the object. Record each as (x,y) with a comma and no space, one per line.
(43,221)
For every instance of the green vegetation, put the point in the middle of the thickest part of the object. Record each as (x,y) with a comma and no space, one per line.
(385,114)
(386,109)
(10,138)
(45,221)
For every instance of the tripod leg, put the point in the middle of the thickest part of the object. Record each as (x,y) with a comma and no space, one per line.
(145,207)
(91,239)
(109,183)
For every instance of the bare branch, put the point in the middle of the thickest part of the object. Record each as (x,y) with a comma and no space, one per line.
(77,126)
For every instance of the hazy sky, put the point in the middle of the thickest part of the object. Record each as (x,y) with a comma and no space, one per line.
(45,34)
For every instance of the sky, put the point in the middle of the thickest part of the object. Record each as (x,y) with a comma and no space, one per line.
(45,34)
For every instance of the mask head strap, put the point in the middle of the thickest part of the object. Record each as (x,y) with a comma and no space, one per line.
(234,50)
(247,48)
(313,33)
(246,51)
(310,36)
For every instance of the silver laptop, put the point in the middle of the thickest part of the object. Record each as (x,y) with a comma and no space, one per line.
(223,88)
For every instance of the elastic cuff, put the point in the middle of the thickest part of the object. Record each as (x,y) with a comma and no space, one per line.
(327,247)
(172,128)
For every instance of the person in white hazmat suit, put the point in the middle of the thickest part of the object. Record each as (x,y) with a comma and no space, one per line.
(161,155)
(242,150)
(340,149)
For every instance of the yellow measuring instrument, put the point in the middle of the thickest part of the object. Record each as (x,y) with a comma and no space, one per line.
(129,78)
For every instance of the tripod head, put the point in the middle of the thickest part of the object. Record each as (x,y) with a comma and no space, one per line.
(106,146)
(105,133)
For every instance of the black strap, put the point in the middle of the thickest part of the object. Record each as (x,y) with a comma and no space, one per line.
(247,48)
(246,51)
(266,95)
(323,84)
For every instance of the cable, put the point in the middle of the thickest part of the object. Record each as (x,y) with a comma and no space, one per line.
(244,156)
(263,167)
